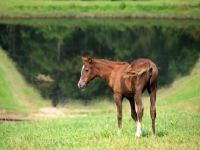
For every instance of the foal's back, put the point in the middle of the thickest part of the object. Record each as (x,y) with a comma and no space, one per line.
(124,78)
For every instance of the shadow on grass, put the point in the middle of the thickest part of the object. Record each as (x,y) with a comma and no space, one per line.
(158,134)
(12,119)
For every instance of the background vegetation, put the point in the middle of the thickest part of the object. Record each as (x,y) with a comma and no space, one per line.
(55,47)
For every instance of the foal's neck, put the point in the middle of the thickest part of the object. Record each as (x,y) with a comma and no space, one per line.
(104,68)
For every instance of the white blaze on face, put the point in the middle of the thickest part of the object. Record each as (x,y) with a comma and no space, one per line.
(81,76)
(82,69)
(139,131)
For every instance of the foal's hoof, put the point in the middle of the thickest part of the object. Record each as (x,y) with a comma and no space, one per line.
(154,135)
(137,137)
(119,132)
(138,134)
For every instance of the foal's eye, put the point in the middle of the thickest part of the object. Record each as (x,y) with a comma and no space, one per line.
(86,70)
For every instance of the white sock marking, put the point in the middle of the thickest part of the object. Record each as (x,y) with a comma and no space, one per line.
(139,131)
(119,131)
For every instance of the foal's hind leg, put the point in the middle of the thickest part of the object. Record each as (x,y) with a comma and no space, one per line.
(133,112)
(140,110)
(152,93)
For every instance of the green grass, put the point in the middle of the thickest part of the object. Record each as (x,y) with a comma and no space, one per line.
(177,123)
(16,96)
(100,9)
(177,128)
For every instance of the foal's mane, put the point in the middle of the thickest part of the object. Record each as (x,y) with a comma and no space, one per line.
(107,62)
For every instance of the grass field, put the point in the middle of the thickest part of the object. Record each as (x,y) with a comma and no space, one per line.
(95,126)
(180,9)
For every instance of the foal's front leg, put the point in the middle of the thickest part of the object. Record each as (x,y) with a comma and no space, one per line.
(118,100)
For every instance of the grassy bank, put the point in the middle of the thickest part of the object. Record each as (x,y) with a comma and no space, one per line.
(114,23)
(177,124)
(16,97)
(179,9)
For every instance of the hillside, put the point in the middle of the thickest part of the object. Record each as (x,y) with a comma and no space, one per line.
(183,90)
(16,96)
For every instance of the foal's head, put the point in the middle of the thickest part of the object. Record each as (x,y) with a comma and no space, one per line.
(87,72)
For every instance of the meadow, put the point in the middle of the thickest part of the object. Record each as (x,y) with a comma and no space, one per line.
(95,126)
(178,9)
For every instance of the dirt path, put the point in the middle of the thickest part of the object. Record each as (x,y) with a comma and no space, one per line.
(50,112)
(45,112)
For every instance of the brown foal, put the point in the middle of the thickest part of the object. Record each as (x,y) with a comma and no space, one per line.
(125,80)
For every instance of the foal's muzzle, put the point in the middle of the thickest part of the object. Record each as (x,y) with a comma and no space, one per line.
(81,84)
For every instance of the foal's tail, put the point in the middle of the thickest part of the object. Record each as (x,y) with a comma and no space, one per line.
(138,69)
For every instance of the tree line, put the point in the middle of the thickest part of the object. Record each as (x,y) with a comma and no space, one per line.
(55,50)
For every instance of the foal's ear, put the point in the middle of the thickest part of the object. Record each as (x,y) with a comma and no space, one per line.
(84,59)
(87,59)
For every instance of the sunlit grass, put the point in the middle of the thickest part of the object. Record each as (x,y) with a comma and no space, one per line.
(100,9)
(177,128)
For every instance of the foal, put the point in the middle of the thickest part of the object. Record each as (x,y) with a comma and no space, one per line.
(125,80)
